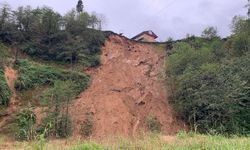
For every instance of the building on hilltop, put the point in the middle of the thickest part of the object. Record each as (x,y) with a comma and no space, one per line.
(146,36)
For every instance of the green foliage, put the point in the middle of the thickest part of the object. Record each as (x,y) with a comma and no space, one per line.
(211,87)
(185,56)
(88,146)
(5,92)
(58,119)
(25,120)
(56,125)
(153,124)
(209,33)
(183,141)
(33,75)
(239,44)
(45,34)
(67,48)
(64,126)
(4,54)
(87,126)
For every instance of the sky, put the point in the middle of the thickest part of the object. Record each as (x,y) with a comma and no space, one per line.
(167,18)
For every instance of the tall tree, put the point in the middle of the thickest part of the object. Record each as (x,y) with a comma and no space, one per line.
(248,6)
(79,6)
(5,12)
(209,33)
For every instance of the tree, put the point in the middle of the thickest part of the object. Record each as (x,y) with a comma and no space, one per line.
(248,6)
(209,33)
(238,24)
(240,40)
(59,97)
(5,13)
(79,6)
(50,21)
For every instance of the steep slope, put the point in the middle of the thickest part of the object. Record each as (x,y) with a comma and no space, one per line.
(10,75)
(125,90)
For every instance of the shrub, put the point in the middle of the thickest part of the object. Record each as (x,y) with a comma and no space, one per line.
(54,125)
(212,95)
(32,75)
(5,92)
(185,56)
(58,120)
(87,126)
(25,120)
(64,126)
(153,124)
(65,47)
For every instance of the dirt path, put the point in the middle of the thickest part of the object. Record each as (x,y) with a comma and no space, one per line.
(125,89)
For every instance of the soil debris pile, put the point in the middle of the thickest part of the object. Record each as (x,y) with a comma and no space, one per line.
(126,89)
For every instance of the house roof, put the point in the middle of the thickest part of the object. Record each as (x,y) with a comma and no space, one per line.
(150,33)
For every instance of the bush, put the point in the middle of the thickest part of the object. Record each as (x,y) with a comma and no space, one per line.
(33,75)
(25,120)
(64,126)
(5,92)
(212,90)
(153,124)
(66,47)
(58,121)
(4,54)
(54,125)
(87,126)
(185,56)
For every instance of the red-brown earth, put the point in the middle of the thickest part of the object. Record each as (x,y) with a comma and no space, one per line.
(125,89)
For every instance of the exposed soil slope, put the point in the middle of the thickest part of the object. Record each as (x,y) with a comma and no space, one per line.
(11,76)
(126,88)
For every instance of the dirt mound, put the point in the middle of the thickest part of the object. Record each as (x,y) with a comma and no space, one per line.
(125,90)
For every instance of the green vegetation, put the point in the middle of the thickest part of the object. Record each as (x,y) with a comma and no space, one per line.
(210,81)
(5,92)
(25,120)
(183,141)
(153,124)
(60,87)
(44,33)
(58,122)
(87,126)
(32,74)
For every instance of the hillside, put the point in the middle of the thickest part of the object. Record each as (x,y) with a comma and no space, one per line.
(125,90)
(126,93)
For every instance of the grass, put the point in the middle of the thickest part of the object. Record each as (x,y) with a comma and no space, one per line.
(34,78)
(33,74)
(5,92)
(182,141)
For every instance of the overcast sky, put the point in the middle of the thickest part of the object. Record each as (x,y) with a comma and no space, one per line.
(167,18)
